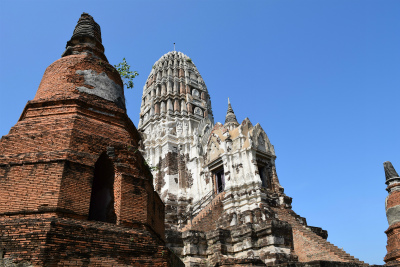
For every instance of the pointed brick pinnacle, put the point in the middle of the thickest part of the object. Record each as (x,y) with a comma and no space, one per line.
(230,115)
(87,27)
(86,38)
(390,172)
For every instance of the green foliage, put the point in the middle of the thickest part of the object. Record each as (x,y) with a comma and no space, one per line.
(189,60)
(127,75)
(151,168)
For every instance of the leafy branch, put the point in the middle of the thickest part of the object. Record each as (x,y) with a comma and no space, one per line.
(127,75)
(151,168)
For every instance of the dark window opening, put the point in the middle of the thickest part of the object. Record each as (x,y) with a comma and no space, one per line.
(265,177)
(102,198)
(219,180)
(261,172)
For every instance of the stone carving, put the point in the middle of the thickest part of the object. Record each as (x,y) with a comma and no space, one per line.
(158,131)
(179,128)
(197,102)
(390,172)
(195,137)
(167,130)
(185,128)
(195,93)
(250,140)
(205,127)
(213,148)
(261,140)
(261,143)
(198,111)
(228,144)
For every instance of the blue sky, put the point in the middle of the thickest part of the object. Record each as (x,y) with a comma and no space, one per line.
(321,77)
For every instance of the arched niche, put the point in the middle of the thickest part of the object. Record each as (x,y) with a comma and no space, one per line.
(102,197)
(198,111)
(196,93)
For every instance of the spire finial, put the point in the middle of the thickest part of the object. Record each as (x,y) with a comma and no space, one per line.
(390,172)
(230,115)
(86,38)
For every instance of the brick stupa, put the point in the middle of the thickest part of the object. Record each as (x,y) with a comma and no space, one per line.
(74,189)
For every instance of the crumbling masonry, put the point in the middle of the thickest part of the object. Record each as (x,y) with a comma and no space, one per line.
(74,191)
(77,190)
(224,203)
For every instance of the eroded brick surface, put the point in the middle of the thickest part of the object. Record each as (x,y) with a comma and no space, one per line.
(47,172)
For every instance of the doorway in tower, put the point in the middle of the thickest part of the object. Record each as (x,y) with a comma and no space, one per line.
(263,175)
(219,180)
(102,197)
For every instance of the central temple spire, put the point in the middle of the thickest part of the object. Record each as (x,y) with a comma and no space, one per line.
(175,91)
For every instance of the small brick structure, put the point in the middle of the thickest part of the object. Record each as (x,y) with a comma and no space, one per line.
(75,191)
(392,204)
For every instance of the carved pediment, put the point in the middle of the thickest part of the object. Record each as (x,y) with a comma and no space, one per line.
(204,130)
(261,143)
(198,111)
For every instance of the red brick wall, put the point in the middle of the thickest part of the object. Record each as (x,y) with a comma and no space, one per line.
(47,240)
(309,246)
(393,199)
(27,187)
(63,73)
(308,249)
(392,258)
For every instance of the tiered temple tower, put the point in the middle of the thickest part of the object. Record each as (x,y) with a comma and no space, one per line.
(175,103)
(73,190)
(224,202)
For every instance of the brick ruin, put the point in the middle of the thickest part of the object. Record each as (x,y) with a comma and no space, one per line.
(80,186)
(392,205)
(74,189)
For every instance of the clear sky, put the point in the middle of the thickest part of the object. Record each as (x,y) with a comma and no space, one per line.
(321,77)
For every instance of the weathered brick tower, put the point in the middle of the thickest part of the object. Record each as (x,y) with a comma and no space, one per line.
(72,189)
(392,204)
